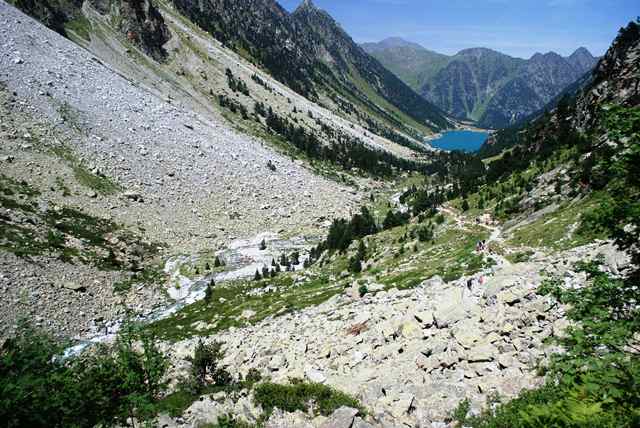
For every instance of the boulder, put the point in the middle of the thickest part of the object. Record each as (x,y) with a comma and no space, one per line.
(205,411)
(341,418)
(481,353)
(467,333)
(424,317)
(410,330)
(315,375)
(279,419)
(74,286)
(449,307)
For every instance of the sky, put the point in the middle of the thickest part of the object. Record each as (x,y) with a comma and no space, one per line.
(516,27)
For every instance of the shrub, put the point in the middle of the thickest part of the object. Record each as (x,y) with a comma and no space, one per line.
(205,365)
(38,388)
(363,290)
(299,396)
(355,265)
(425,233)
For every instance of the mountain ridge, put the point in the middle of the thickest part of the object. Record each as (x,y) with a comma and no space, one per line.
(484,85)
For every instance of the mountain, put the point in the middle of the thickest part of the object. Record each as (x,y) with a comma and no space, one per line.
(187,241)
(313,55)
(479,84)
(411,62)
(579,110)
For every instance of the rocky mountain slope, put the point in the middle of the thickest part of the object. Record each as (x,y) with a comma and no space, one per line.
(308,51)
(175,172)
(171,180)
(411,62)
(482,85)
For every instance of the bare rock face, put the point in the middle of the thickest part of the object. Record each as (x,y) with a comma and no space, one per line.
(616,78)
(54,14)
(140,22)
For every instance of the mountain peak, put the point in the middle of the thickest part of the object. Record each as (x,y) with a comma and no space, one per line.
(307,4)
(582,52)
(391,43)
(477,52)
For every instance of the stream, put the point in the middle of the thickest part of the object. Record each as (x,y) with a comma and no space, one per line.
(242,258)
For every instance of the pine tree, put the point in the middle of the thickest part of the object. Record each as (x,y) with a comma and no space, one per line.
(355,264)
(295,258)
(208,292)
(257,276)
(362,251)
(263,245)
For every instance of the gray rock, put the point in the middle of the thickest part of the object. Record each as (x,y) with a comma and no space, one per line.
(74,286)
(341,418)
(315,375)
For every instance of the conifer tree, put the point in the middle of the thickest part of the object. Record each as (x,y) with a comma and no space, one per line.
(208,292)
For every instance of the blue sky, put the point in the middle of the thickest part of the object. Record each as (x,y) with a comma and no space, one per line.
(516,27)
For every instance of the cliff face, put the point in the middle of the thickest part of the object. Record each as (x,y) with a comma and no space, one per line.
(310,52)
(333,46)
(55,14)
(141,22)
(138,20)
(616,78)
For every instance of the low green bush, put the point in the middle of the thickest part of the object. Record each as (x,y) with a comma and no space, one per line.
(298,396)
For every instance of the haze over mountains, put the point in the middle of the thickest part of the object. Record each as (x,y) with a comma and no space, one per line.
(480,84)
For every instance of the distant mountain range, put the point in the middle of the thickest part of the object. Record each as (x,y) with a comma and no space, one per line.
(493,89)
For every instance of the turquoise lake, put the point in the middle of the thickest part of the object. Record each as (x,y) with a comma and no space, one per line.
(467,141)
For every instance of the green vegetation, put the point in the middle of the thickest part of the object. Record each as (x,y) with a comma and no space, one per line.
(229,300)
(302,396)
(596,380)
(80,26)
(99,183)
(66,233)
(38,388)
(561,229)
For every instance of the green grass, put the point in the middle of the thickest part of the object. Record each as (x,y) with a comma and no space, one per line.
(451,255)
(63,232)
(98,183)
(149,275)
(229,300)
(80,26)
(558,230)
(519,257)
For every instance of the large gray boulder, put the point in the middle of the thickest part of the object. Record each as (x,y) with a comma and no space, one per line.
(341,418)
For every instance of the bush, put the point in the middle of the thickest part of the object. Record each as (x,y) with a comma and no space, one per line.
(299,396)
(363,290)
(355,265)
(205,365)
(40,389)
(425,233)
